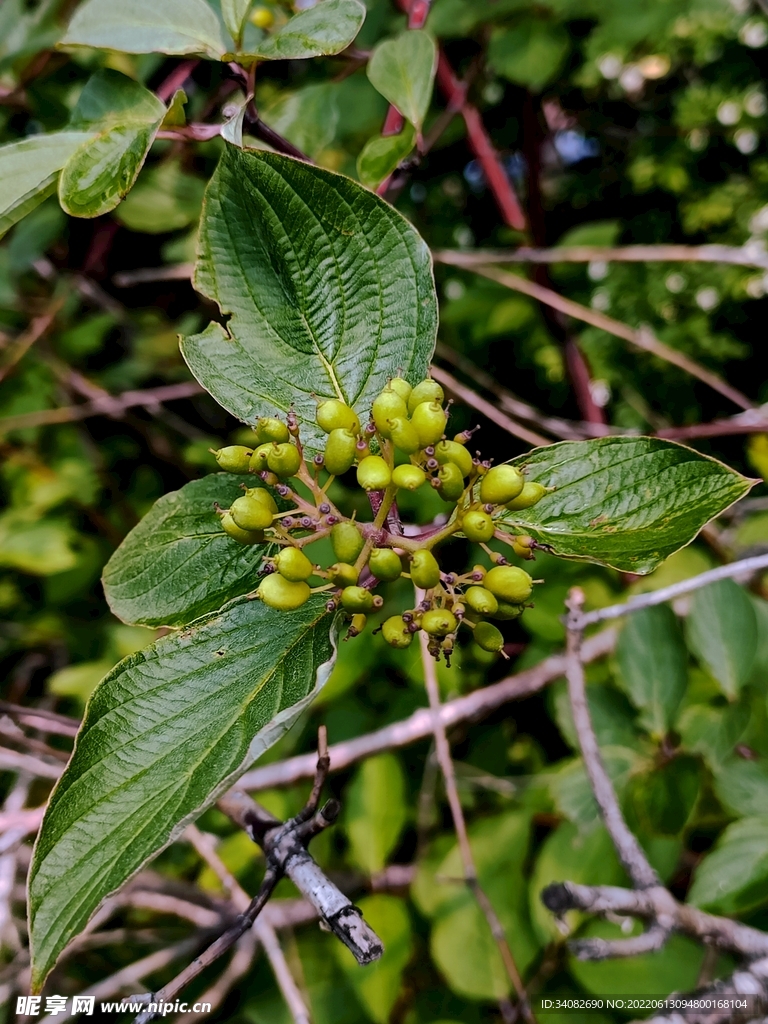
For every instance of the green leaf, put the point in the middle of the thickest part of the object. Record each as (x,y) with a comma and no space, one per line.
(742,786)
(147,26)
(733,878)
(327,28)
(626,502)
(382,154)
(233,12)
(375,811)
(307,117)
(663,797)
(166,731)
(713,732)
(722,633)
(529,54)
(166,199)
(654,665)
(403,70)
(126,117)
(572,792)
(29,170)
(328,290)
(41,547)
(175,115)
(178,563)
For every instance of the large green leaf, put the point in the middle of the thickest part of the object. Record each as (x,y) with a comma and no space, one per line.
(328,291)
(29,170)
(328,27)
(147,26)
(722,633)
(166,731)
(126,117)
(178,563)
(734,876)
(653,662)
(627,502)
(403,69)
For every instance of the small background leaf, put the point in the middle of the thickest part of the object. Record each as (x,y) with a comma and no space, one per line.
(307,117)
(375,811)
(233,13)
(403,70)
(529,54)
(722,633)
(733,877)
(653,663)
(381,155)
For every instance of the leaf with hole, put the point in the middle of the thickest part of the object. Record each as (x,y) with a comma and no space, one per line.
(327,291)
(327,28)
(403,70)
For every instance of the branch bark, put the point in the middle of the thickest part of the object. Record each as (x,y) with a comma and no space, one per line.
(741,256)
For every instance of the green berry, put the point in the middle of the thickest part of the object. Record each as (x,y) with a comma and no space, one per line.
(425,572)
(357,625)
(232,530)
(388,406)
(501,484)
(251,514)
(373,473)
(451,482)
(235,458)
(342,574)
(284,460)
(409,477)
(452,451)
(279,593)
(404,435)
(506,611)
(347,542)
(438,622)
(396,633)
(340,451)
(270,429)
(293,565)
(481,601)
(530,494)
(335,415)
(259,459)
(509,583)
(427,391)
(356,599)
(477,526)
(429,419)
(487,636)
(401,387)
(263,495)
(385,564)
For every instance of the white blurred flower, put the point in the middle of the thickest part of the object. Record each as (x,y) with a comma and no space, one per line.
(758,222)
(707,298)
(454,289)
(754,34)
(698,139)
(601,300)
(729,112)
(755,288)
(675,283)
(755,103)
(746,140)
(609,65)
(597,270)
(601,392)
(654,66)
(632,78)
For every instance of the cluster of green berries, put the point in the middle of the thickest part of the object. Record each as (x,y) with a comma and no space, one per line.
(402,447)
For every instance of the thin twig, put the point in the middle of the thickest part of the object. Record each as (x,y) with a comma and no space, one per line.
(12,760)
(742,256)
(18,348)
(443,753)
(41,718)
(145,275)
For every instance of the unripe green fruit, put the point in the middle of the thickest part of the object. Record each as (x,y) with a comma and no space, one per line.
(404,435)
(409,477)
(293,565)
(342,574)
(451,482)
(235,458)
(259,459)
(270,429)
(427,391)
(438,622)
(347,542)
(385,564)
(356,599)
(373,474)
(477,526)
(357,625)
(501,484)
(335,415)
(530,494)
(481,601)
(262,494)
(340,451)
(523,547)
(425,572)
(281,594)
(284,460)
(396,633)
(232,530)
(401,387)
(251,514)
(388,406)
(509,583)
(506,611)
(429,419)
(487,636)
(452,451)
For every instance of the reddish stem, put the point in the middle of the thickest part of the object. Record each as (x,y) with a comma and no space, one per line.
(175,80)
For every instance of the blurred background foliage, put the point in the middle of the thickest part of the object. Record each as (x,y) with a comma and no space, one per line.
(617,124)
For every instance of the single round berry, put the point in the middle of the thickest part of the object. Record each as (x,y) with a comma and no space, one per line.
(451,482)
(340,451)
(509,583)
(451,451)
(401,386)
(259,460)
(356,599)
(425,571)
(342,574)
(235,458)
(232,530)
(251,514)
(477,526)
(262,494)
(396,633)
(408,477)
(373,473)
(501,484)
(530,494)
(506,611)
(385,564)
(388,406)
(335,415)
(427,391)
(270,429)
(429,419)
(487,636)
(294,565)
(404,435)
(347,542)
(284,460)
(481,600)
(523,546)
(438,622)
(283,595)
